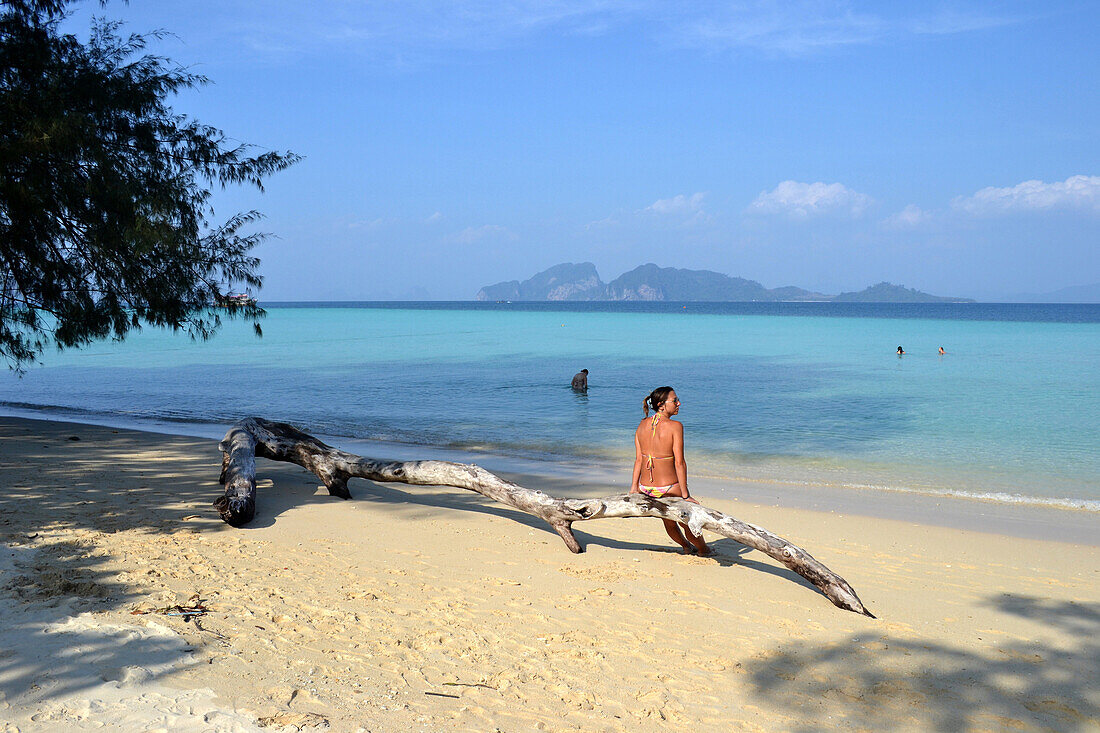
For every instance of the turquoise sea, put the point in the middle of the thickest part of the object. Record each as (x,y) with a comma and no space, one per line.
(808,393)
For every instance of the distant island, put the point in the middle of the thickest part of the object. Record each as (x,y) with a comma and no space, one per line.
(1076,294)
(580,281)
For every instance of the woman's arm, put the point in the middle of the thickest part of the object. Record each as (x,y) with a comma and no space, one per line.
(637,465)
(678,457)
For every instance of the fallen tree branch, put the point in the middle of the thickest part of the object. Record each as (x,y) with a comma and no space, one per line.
(255,437)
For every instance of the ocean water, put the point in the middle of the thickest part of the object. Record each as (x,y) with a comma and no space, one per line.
(808,393)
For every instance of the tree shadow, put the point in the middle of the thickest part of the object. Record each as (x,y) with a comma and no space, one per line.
(132,480)
(52,648)
(890,683)
(61,499)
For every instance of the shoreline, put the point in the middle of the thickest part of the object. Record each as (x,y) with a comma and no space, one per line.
(1026,520)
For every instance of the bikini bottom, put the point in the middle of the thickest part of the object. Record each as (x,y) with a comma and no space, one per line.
(656,492)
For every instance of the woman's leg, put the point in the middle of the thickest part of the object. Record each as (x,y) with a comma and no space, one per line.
(673,527)
(673,530)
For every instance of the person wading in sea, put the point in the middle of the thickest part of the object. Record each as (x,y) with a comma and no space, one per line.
(659,465)
(580,381)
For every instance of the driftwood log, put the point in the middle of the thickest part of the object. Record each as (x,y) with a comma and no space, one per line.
(255,436)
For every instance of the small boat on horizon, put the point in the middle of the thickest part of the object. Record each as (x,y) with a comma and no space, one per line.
(230,300)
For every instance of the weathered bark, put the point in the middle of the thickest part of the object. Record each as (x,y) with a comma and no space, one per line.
(255,436)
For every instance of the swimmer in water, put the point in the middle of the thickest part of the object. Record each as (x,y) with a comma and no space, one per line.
(580,381)
(900,351)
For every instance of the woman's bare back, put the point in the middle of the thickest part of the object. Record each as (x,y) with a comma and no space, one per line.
(656,442)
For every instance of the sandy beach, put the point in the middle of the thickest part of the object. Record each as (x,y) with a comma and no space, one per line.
(432,609)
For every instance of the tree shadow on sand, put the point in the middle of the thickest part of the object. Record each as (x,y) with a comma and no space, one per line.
(891,683)
(49,651)
(63,496)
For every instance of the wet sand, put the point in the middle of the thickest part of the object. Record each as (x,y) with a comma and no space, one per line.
(433,609)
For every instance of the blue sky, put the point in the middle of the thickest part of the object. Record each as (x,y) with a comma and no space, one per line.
(953,147)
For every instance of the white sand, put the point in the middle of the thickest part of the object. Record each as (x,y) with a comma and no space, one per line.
(432,609)
(63,670)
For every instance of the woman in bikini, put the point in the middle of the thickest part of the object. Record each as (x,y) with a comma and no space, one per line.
(659,466)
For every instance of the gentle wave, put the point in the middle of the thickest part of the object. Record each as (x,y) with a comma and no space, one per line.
(998,497)
(797,478)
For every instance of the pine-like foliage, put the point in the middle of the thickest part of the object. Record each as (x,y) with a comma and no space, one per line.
(105,191)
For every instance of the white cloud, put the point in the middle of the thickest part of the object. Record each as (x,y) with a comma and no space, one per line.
(679,204)
(801,200)
(1076,192)
(408,29)
(910,216)
(798,28)
(793,28)
(384,222)
(609,221)
(378,223)
(947,21)
(472,235)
